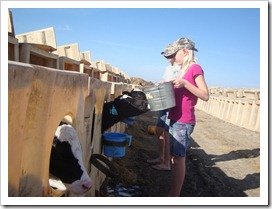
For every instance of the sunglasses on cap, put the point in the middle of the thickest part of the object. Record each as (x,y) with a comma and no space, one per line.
(171,56)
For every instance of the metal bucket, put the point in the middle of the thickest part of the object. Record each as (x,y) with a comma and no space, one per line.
(160,97)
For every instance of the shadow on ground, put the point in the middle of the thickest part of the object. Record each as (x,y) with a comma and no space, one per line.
(202,179)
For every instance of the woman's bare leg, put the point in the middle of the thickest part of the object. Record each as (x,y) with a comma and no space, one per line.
(178,174)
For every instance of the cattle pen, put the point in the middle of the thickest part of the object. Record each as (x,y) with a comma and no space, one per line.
(49,83)
(46,85)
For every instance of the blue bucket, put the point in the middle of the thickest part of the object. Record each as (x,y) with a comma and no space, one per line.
(114,144)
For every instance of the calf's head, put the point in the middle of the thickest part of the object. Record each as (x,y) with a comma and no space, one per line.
(66,161)
(129,104)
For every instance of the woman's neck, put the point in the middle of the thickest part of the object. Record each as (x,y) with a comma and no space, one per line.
(184,70)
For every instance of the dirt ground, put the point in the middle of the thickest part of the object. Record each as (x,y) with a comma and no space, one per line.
(223,160)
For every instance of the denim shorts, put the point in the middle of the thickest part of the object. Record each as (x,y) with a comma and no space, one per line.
(179,137)
(163,120)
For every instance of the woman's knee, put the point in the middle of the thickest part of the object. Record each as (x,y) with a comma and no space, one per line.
(178,160)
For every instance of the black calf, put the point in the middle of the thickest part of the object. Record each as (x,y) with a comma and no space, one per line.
(66,161)
(129,104)
(63,163)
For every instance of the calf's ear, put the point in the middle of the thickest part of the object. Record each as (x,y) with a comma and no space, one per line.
(126,92)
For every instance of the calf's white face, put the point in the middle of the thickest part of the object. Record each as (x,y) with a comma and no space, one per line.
(66,161)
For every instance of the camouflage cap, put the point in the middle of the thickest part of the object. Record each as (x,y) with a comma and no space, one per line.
(177,45)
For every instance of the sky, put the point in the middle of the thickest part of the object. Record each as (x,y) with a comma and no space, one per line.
(227,39)
(228,42)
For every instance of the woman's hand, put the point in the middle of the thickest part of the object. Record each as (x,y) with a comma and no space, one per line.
(179,82)
(201,90)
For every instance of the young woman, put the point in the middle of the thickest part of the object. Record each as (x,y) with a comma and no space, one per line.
(188,86)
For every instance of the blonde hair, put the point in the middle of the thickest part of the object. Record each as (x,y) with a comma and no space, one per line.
(188,59)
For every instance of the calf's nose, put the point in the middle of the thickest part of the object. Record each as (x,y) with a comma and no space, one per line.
(87,185)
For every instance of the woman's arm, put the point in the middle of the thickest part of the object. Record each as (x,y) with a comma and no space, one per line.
(201,90)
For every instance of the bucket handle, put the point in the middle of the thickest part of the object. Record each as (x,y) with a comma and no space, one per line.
(110,171)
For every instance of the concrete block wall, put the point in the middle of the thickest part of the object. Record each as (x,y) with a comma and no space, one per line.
(98,94)
(39,47)
(109,73)
(34,118)
(39,98)
(240,107)
(13,48)
(44,37)
(69,57)
(66,63)
(86,56)
(86,69)
(96,71)
(36,47)
(104,70)
(13,44)
(31,53)
(42,78)
(70,50)
(85,65)
(11,31)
